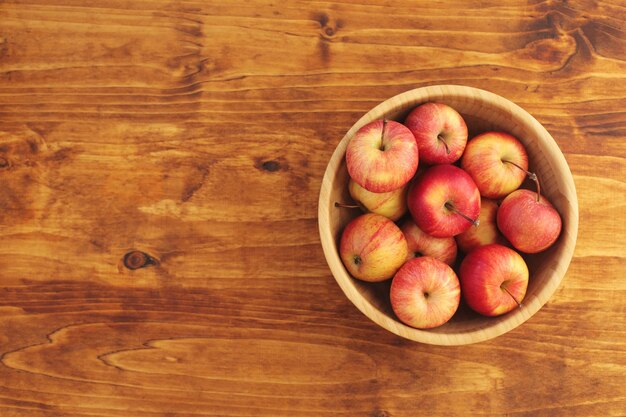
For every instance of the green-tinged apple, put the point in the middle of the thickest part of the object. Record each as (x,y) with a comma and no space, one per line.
(391,205)
(497,162)
(444,201)
(425,293)
(494,279)
(372,248)
(421,243)
(382,156)
(486,232)
(529,221)
(440,132)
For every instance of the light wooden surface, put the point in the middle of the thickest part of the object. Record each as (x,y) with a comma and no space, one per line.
(198,133)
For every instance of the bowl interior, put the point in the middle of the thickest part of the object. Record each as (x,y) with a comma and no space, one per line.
(482,112)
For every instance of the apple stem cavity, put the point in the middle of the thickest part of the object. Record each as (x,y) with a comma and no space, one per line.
(342,205)
(453,209)
(530,175)
(441,138)
(511,295)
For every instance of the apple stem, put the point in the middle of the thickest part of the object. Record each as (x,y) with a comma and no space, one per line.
(514,299)
(444,143)
(342,205)
(536,179)
(530,175)
(453,209)
(382,135)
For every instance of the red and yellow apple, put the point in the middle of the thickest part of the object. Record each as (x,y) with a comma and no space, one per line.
(444,201)
(486,232)
(497,162)
(421,243)
(391,205)
(529,221)
(494,279)
(372,248)
(382,156)
(425,293)
(440,132)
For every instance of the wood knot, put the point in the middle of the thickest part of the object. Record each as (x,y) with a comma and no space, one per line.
(270,166)
(136,259)
(328,27)
(380,413)
(4,163)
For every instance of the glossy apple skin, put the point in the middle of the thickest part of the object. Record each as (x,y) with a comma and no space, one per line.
(421,243)
(372,248)
(486,232)
(531,226)
(430,120)
(484,274)
(391,205)
(484,158)
(425,293)
(382,161)
(430,192)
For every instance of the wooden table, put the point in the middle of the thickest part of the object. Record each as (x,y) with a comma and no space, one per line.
(160,164)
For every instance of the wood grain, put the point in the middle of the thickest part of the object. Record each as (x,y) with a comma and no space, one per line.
(198,133)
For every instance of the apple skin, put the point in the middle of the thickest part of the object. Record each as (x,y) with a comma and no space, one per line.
(382,156)
(531,226)
(425,293)
(432,121)
(372,248)
(484,158)
(429,194)
(421,243)
(484,274)
(486,232)
(391,205)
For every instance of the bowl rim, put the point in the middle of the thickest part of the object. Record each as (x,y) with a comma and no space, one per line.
(499,325)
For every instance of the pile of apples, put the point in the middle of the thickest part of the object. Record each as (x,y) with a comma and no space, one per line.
(465,198)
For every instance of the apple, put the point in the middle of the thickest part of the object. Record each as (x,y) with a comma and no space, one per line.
(425,293)
(421,243)
(486,232)
(444,201)
(440,132)
(382,156)
(494,279)
(529,221)
(391,205)
(372,248)
(497,162)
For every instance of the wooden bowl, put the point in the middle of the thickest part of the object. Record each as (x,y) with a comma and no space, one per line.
(482,111)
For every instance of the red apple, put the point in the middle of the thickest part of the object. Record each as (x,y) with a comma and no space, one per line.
(425,293)
(497,162)
(444,201)
(493,279)
(421,243)
(529,221)
(382,156)
(486,232)
(440,132)
(391,205)
(372,248)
